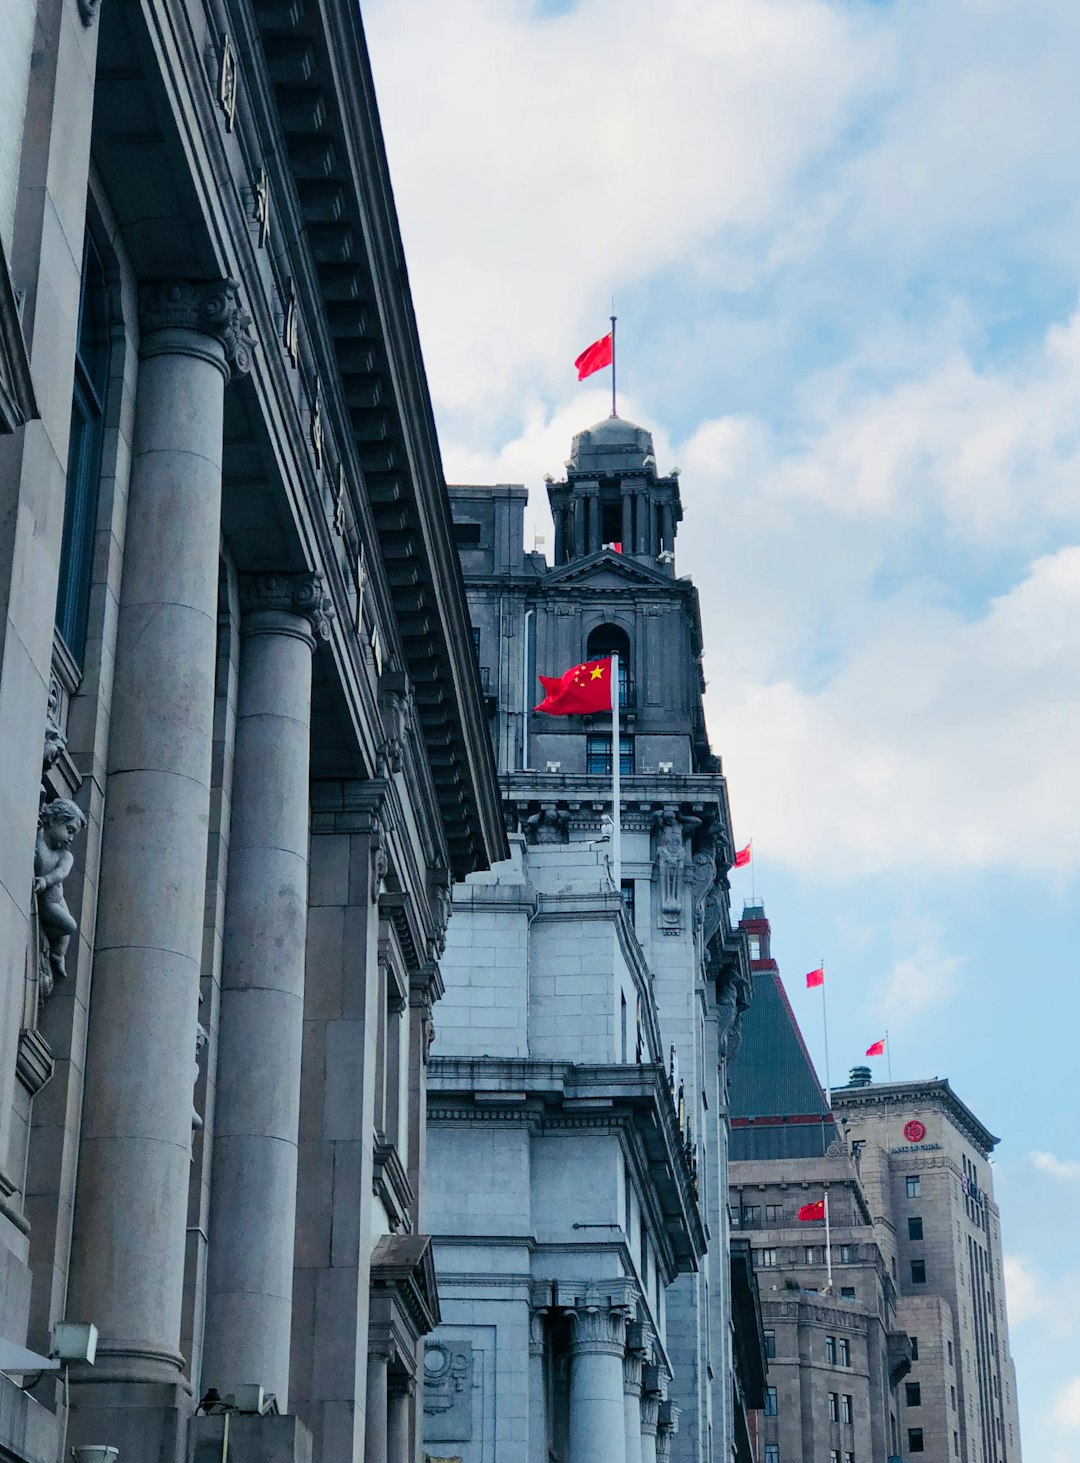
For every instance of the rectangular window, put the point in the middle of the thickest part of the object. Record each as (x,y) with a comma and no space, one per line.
(813,1255)
(952,1397)
(834,1406)
(625,1031)
(845,1351)
(847,1409)
(627,888)
(598,754)
(918,1272)
(834,1455)
(849,1458)
(754,942)
(847,1292)
(914,1440)
(847,1254)
(914,1348)
(956,1443)
(770,1344)
(774,1213)
(830,1349)
(765,1259)
(770,1401)
(751,1216)
(950,1353)
(772,1453)
(913,1394)
(914,1229)
(913,1185)
(476,640)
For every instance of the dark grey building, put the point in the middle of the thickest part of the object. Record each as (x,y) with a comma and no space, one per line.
(244,746)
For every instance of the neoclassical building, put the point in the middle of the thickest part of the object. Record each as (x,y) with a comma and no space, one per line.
(593,1307)
(244,747)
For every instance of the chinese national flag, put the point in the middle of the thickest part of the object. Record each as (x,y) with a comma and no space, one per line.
(815,977)
(742,858)
(816,1210)
(877,1050)
(594,357)
(582,689)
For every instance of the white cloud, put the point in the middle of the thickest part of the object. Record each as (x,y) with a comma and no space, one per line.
(920,981)
(1026,1291)
(1067,1405)
(1060,1168)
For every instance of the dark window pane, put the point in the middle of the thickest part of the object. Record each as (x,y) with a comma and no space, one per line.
(914,1229)
(915,1440)
(918,1272)
(913,1393)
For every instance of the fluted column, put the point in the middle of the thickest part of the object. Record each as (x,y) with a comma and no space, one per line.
(580,508)
(261,1023)
(538,1422)
(650,1410)
(127,1262)
(597,1420)
(627,521)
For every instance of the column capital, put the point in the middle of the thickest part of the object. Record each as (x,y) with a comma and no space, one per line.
(632,1363)
(650,1412)
(400,1384)
(211,309)
(273,603)
(598,1329)
(537,1329)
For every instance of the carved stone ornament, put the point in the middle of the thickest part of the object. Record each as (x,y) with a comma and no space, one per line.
(292,594)
(211,309)
(395,717)
(59,824)
(228,83)
(550,825)
(448,1381)
(202,1037)
(88,11)
(671,859)
(599,1328)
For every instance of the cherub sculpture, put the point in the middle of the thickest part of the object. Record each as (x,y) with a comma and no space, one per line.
(59,824)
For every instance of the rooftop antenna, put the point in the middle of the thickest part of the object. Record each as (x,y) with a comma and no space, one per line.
(613,412)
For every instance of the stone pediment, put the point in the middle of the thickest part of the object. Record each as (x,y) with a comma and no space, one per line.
(609,570)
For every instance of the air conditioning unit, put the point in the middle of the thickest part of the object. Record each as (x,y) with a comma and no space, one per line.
(664,766)
(553,767)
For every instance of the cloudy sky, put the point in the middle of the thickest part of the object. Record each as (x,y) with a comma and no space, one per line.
(844,241)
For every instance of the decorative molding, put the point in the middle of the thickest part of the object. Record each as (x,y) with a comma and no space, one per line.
(209,308)
(88,11)
(598,1324)
(17,403)
(227,82)
(34,1063)
(391,1186)
(301,595)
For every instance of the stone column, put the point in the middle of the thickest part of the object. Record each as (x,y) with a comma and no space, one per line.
(667,528)
(596,521)
(627,521)
(127,1263)
(400,1391)
(261,1023)
(580,508)
(641,523)
(538,1422)
(597,1423)
(376,1430)
(560,535)
(667,1427)
(650,1410)
(632,1364)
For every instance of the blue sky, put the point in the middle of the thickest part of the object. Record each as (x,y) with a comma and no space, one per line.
(844,239)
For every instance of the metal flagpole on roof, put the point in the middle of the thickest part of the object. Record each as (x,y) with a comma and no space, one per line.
(616,786)
(825,1029)
(828,1243)
(613,412)
(888,1053)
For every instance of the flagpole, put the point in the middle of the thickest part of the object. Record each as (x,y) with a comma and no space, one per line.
(753,875)
(888,1052)
(828,1244)
(825,1028)
(616,773)
(613,317)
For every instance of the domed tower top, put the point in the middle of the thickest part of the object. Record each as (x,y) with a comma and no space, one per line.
(612,445)
(613,497)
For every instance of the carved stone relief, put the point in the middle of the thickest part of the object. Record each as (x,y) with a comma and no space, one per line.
(672,828)
(549,825)
(448,1381)
(59,824)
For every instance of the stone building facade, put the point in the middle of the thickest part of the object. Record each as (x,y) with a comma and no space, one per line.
(925,1164)
(578,1098)
(837,1351)
(244,752)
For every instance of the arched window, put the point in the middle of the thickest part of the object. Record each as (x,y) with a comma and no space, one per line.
(611,640)
(84,453)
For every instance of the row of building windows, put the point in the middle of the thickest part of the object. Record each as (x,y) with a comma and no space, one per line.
(838,1351)
(772,1454)
(768,1258)
(915,1349)
(841,1407)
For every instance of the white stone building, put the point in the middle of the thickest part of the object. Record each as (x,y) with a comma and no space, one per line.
(242,736)
(578,1090)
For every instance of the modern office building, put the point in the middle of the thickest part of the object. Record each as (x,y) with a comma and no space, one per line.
(829,1297)
(578,1092)
(244,748)
(924,1158)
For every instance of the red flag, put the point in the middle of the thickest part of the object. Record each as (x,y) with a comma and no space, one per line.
(583,688)
(877,1049)
(816,1210)
(815,977)
(595,357)
(742,858)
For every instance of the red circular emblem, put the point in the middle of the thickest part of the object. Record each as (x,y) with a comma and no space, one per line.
(914,1131)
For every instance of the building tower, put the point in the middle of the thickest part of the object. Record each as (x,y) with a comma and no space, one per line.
(580,1017)
(829,1303)
(925,1162)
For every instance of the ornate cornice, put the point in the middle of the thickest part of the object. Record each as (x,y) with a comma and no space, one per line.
(598,1329)
(298,595)
(211,309)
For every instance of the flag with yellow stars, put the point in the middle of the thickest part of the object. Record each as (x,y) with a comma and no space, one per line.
(582,689)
